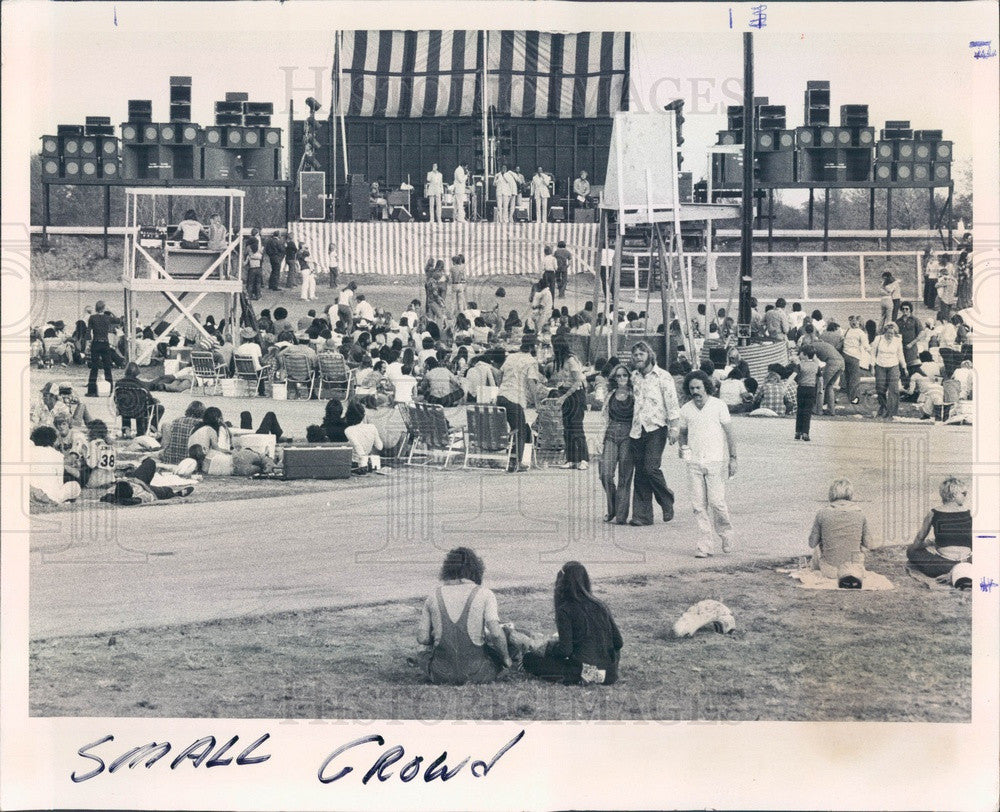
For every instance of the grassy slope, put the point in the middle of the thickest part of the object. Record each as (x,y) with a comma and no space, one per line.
(902,655)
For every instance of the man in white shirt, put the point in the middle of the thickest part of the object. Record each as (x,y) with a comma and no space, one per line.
(506,187)
(540,192)
(434,189)
(708,446)
(460,179)
(581,189)
(363,310)
(521,376)
(47,467)
(654,422)
(249,348)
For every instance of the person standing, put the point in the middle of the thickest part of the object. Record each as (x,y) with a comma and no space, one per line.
(434,189)
(274,251)
(654,423)
(856,356)
(504,184)
(708,446)
(930,270)
(308,292)
(947,288)
(458,282)
(461,191)
(909,329)
(832,370)
(255,270)
(616,455)
(540,193)
(99,326)
(807,379)
(291,266)
(887,351)
(549,267)
(333,262)
(892,290)
(520,378)
(581,191)
(562,257)
(568,378)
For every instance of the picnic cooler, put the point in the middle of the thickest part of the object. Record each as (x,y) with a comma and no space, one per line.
(327,461)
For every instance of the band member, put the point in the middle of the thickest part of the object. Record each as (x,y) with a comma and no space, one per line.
(460,193)
(434,189)
(581,191)
(506,186)
(540,192)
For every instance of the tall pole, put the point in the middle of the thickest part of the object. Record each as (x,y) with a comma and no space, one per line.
(746,230)
(484,103)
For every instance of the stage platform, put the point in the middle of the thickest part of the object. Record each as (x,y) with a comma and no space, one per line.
(402,249)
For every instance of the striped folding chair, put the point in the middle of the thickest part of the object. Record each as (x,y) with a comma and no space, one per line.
(250,375)
(547,431)
(488,437)
(298,372)
(410,433)
(335,379)
(433,434)
(206,369)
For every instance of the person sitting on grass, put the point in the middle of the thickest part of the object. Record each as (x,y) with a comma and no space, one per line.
(363,437)
(137,487)
(177,433)
(213,442)
(839,533)
(588,646)
(333,424)
(460,624)
(49,483)
(440,385)
(952,542)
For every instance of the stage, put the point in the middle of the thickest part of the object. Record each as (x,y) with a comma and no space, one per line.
(402,249)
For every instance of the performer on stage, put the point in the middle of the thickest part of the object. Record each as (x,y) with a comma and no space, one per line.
(540,192)
(581,191)
(433,190)
(460,193)
(506,185)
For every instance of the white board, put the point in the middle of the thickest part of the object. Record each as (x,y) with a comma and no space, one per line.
(642,165)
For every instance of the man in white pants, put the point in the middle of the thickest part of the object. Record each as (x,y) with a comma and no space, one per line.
(434,189)
(540,192)
(460,193)
(709,448)
(505,185)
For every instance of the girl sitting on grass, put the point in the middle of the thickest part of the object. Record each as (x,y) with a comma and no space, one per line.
(588,644)
(952,543)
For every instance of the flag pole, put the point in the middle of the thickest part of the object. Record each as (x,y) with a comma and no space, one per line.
(484,102)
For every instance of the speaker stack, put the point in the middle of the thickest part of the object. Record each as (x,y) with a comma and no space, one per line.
(180,98)
(829,154)
(78,152)
(361,210)
(908,156)
(241,144)
(817,104)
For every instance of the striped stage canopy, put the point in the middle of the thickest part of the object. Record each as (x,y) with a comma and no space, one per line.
(402,249)
(531,74)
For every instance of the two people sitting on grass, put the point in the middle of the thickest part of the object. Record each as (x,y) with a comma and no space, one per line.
(460,625)
(949,553)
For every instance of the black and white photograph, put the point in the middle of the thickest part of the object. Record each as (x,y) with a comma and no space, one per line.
(500,405)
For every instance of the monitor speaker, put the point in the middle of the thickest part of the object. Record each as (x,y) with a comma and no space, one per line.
(131,133)
(904,171)
(150,133)
(90,167)
(109,168)
(942,171)
(905,150)
(921,171)
(51,166)
(215,136)
(50,145)
(943,151)
(557,214)
(189,133)
(71,145)
(883,171)
(71,167)
(885,150)
(401,215)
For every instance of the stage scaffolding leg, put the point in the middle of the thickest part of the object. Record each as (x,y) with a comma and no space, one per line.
(107,217)
(826,221)
(931,214)
(616,278)
(129,325)
(948,204)
(811,200)
(46,221)
(871,209)
(770,225)
(598,307)
(888,219)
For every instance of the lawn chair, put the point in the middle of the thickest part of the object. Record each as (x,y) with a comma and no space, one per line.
(333,373)
(488,437)
(547,430)
(250,375)
(432,432)
(410,426)
(206,368)
(298,372)
(135,403)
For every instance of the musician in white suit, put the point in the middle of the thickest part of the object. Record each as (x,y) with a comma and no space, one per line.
(506,185)
(434,189)
(461,191)
(540,192)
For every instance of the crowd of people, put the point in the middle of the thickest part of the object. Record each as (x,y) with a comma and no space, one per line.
(444,349)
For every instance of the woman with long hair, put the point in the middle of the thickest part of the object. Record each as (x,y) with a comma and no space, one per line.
(334,421)
(890,364)
(568,378)
(211,444)
(617,447)
(589,643)
(461,626)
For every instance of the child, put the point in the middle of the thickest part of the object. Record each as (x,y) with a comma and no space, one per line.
(891,295)
(808,372)
(308,277)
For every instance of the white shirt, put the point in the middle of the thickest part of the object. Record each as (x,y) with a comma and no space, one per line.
(706,437)
(252,350)
(363,438)
(655,401)
(505,183)
(795,319)
(47,471)
(460,178)
(365,311)
(435,183)
(540,185)
(346,297)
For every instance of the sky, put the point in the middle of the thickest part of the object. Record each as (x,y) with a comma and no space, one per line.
(88,70)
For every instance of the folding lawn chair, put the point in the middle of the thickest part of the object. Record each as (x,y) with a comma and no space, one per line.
(250,375)
(410,434)
(334,374)
(297,371)
(135,403)
(547,431)
(433,433)
(488,437)
(206,368)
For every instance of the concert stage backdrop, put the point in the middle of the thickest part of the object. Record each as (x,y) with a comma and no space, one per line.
(414,98)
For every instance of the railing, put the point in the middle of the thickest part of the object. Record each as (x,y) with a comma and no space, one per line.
(634,271)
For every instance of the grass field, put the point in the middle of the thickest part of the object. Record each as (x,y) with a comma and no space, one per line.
(903,655)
